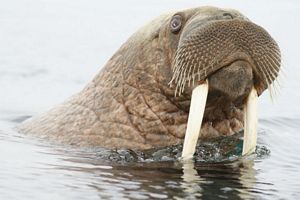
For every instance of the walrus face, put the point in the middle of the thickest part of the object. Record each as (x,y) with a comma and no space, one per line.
(224,49)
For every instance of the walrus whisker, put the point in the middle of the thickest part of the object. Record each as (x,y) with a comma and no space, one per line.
(178,70)
(276,60)
(271,65)
(264,78)
(183,86)
(180,82)
(186,67)
(271,93)
(266,72)
(265,66)
(276,86)
(271,70)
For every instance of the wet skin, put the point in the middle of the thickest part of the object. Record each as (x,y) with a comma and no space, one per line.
(141,97)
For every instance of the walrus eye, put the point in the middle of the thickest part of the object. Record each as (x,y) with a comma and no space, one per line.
(228,15)
(176,23)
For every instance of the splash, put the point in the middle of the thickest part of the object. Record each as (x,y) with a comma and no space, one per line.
(223,149)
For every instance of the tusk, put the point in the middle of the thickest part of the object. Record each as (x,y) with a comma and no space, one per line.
(250,123)
(198,102)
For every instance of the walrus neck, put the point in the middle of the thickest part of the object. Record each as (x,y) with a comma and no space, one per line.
(134,101)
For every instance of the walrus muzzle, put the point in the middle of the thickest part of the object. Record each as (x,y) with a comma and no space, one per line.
(232,61)
(210,47)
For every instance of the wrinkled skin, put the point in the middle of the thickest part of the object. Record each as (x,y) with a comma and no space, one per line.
(131,103)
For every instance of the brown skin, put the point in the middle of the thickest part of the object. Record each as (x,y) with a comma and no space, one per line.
(131,103)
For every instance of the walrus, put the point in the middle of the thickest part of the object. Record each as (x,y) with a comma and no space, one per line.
(141,98)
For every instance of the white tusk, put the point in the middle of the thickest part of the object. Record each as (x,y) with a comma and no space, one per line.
(250,123)
(198,102)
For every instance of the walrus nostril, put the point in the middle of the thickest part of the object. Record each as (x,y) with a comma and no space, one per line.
(228,15)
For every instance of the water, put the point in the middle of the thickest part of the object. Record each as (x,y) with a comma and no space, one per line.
(51,49)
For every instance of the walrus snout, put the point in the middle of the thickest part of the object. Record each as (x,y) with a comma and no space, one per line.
(204,49)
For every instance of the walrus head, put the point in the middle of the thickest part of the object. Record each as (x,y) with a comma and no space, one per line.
(141,99)
(224,49)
